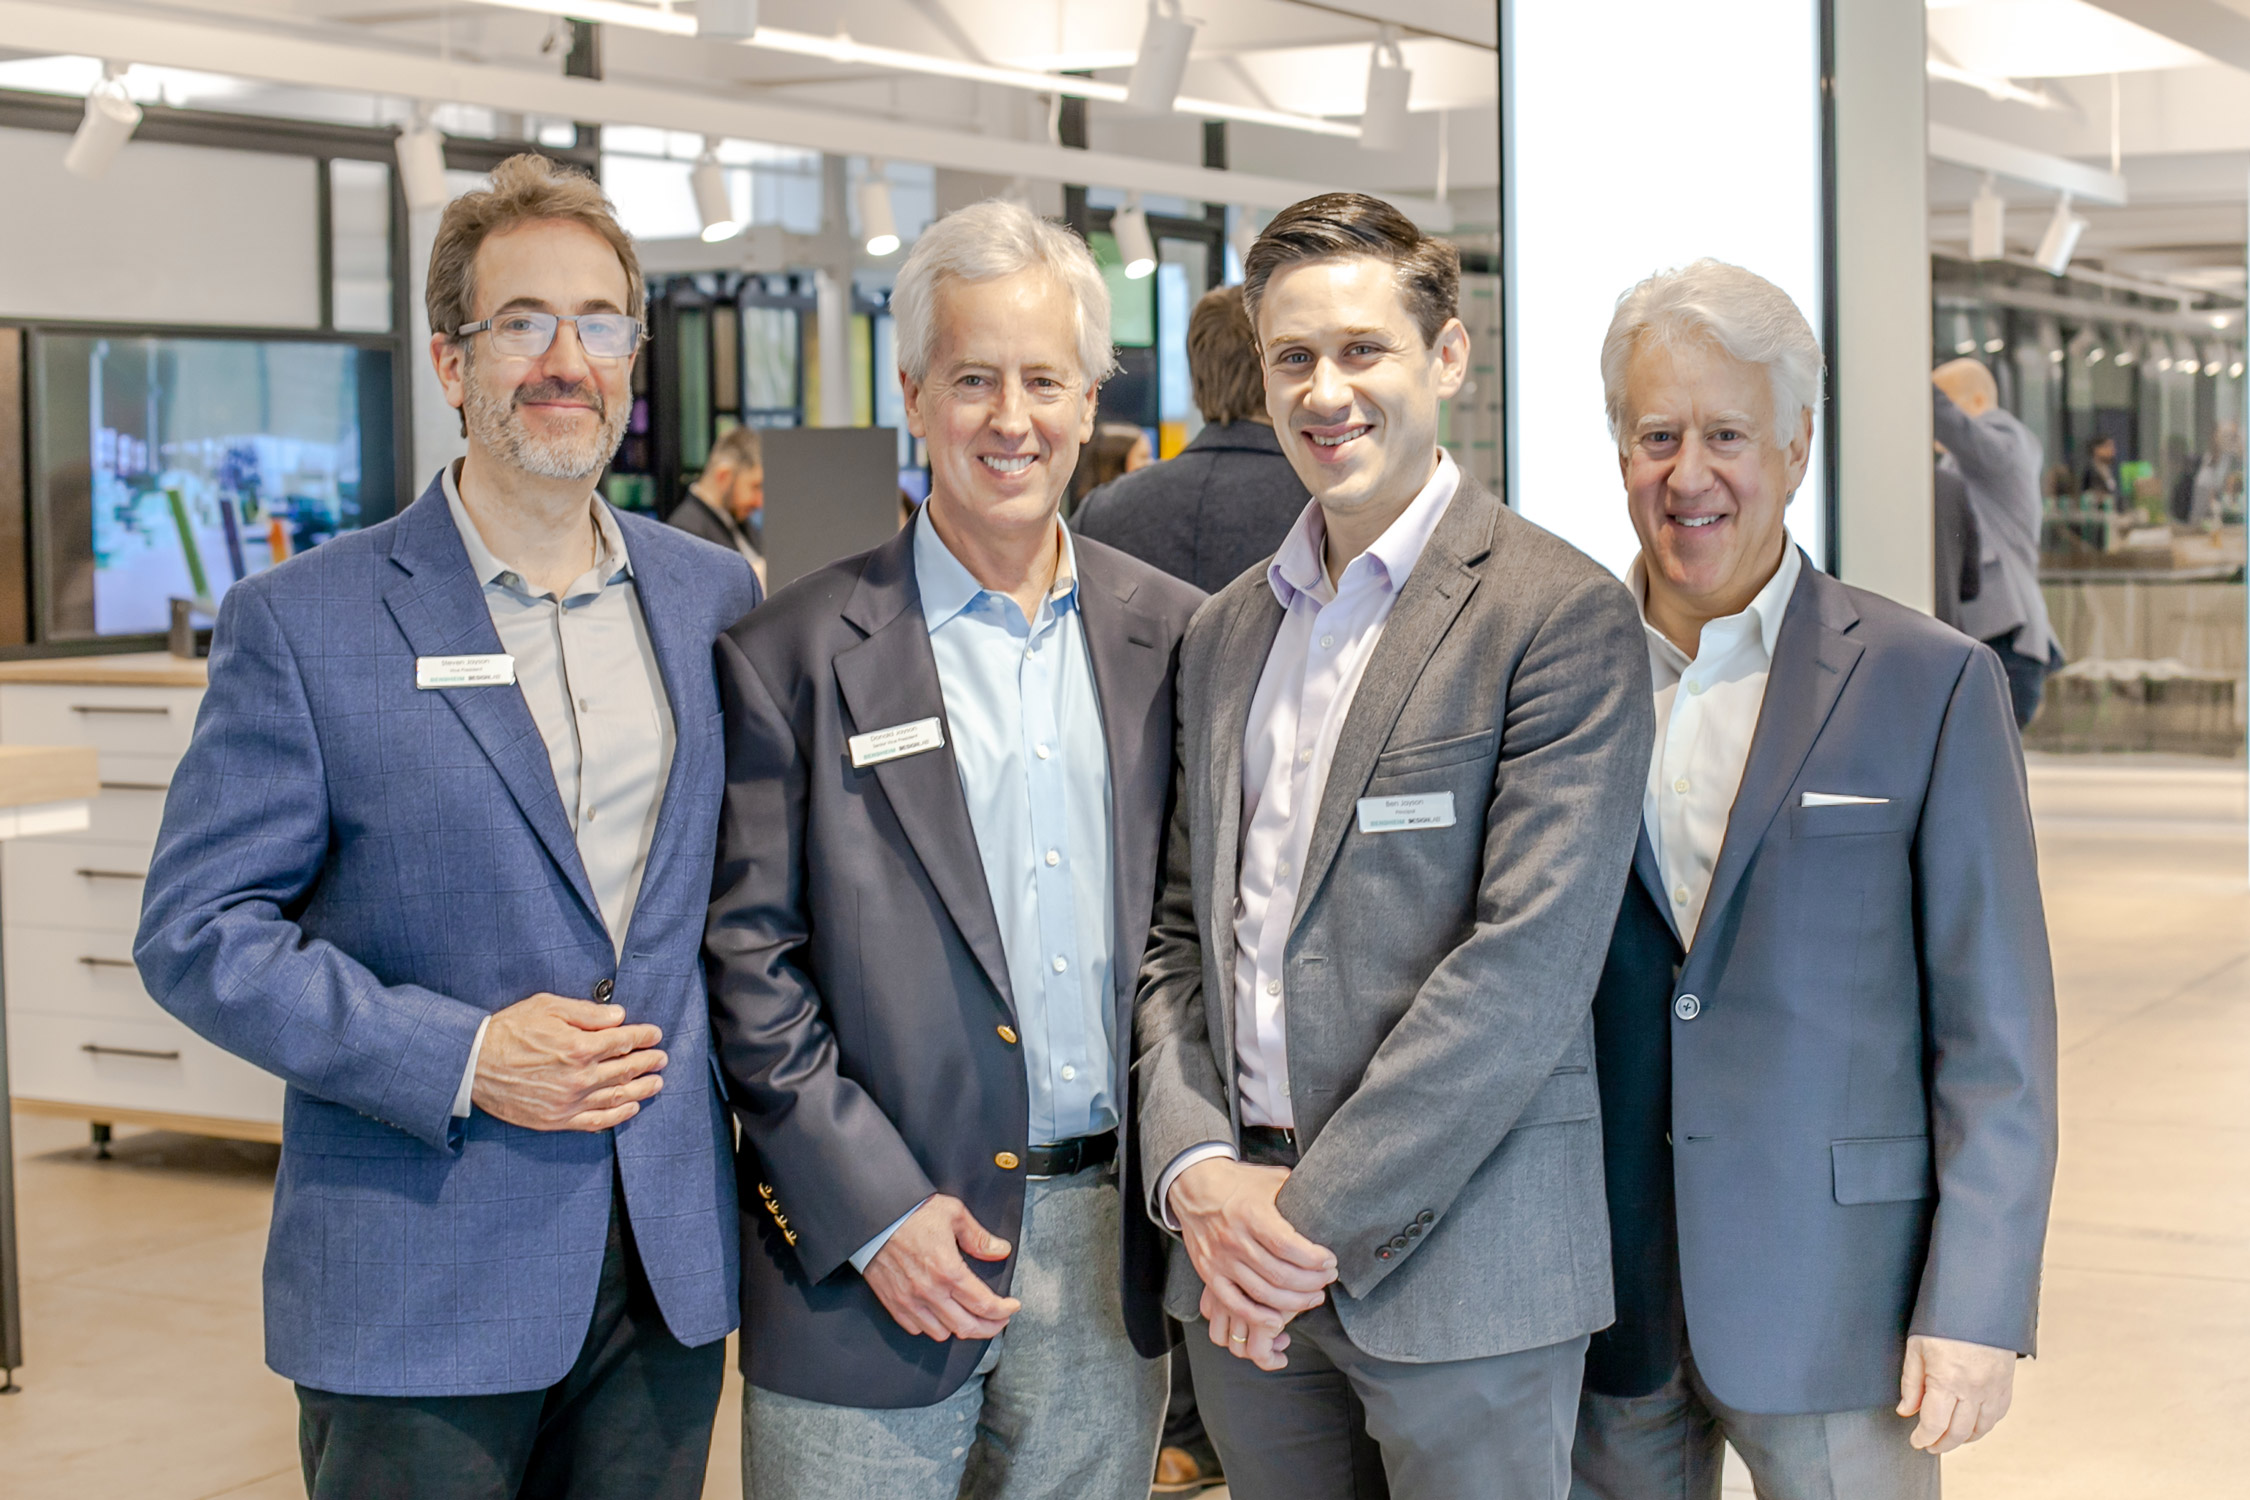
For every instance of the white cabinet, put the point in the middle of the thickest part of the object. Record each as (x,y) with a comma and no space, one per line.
(84,1039)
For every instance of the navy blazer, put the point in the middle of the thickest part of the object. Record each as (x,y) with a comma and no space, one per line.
(1832,1122)
(859,989)
(1224,504)
(352,874)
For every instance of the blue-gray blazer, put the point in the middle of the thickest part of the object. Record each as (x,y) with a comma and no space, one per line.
(352,874)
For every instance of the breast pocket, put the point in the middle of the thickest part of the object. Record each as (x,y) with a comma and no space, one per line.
(1432,755)
(1855,818)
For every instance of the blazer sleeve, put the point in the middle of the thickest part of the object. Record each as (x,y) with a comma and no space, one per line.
(836,1163)
(1989,1000)
(244,839)
(1183,1100)
(1984,450)
(1485,1030)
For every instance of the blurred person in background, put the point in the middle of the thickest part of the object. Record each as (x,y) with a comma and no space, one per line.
(2097,485)
(731,490)
(1117,448)
(1957,551)
(2000,461)
(1229,498)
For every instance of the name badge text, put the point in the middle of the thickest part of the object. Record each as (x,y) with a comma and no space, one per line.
(879,745)
(464,671)
(1406,814)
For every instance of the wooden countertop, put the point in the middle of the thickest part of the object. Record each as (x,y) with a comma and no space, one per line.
(33,774)
(128,669)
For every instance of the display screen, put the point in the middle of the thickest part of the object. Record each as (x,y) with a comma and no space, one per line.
(171,467)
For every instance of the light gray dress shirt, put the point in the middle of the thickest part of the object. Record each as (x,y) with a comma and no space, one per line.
(587,670)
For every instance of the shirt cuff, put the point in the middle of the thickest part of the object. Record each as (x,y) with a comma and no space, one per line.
(1208,1151)
(461,1104)
(874,1247)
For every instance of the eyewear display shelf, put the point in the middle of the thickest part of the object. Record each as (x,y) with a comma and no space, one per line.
(84,1040)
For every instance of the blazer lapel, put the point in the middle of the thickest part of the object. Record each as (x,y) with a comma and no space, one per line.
(440,609)
(1435,592)
(1650,877)
(891,679)
(1813,657)
(1251,627)
(682,646)
(1125,646)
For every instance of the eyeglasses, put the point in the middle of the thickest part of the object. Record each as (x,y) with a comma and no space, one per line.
(530,334)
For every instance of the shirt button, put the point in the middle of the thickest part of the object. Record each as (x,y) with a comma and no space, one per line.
(589,814)
(585,704)
(1695,689)
(1687,1007)
(1680,786)
(1273,986)
(1304,757)
(1061,963)
(1680,894)
(1068,1072)
(1327,641)
(1053,858)
(1041,751)
(1282,869)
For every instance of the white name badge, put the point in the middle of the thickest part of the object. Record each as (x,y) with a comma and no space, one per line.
(464,671)
(1406,814)
(879,745)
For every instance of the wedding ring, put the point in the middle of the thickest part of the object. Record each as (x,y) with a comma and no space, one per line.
(1238,1338)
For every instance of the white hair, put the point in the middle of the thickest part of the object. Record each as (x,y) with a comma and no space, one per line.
(984,242)
(1746,315)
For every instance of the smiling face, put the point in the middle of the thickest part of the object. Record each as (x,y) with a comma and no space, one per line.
(1708,477)
(1004,405)
(558,415)
(1352,388)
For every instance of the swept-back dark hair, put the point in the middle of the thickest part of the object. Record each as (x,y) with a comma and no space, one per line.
(1335,225)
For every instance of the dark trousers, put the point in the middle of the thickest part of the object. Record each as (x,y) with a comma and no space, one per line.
(2027,678)
(631,1421)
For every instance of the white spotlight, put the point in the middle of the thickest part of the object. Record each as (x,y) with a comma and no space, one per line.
(111,119)
(1165,44)
(1988,220)
(1134,242)
(875,217)
(713,204)
(421,163)
(2060,241)
(726,20)
(1382,125)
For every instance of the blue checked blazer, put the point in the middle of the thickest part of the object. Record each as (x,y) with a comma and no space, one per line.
(352,874)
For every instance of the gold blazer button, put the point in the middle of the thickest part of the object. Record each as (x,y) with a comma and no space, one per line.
(1007,1161)
(1008,1035)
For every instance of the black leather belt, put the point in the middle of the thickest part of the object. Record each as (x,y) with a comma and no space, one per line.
(1269,1145)
(1067,1158)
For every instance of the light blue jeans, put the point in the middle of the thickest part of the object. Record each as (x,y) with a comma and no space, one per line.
(1062,1405)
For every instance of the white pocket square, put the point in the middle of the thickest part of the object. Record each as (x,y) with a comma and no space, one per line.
(1840,799)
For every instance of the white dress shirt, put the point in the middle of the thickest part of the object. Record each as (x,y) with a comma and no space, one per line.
(1706,715)
(1328,631)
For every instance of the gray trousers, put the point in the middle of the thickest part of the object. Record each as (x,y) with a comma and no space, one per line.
(1470,1429)
(1670,1445)
(1062,1405)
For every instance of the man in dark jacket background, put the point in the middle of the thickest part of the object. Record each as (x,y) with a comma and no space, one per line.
(1230,496)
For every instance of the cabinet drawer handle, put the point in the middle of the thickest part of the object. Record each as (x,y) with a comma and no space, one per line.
(98,1050)
(111,875)
(105,963)
(115,708)
(136,786)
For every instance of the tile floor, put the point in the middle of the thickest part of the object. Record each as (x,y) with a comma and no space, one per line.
(140,1274)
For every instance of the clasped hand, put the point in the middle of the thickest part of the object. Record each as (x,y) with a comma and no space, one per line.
(549,1063)
(1258,1271)
(921,1279)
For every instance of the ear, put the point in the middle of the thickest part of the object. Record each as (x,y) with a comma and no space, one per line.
(1800,451)
(1093,409)
(449,357)
(1451,351)
(911,390)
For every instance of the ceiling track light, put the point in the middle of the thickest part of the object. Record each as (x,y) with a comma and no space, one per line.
(876,219)
(1988,223)
(714,205)
(1390,84)
(726,20)
(2060,242)
(111,118)
(1135,245)
(420,149)
(1157,72)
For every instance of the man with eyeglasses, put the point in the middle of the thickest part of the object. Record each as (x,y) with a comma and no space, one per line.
(438,856)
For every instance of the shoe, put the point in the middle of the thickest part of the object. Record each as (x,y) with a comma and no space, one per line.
(1181,1471)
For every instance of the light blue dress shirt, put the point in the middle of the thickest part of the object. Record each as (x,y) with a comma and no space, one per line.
(1026,729)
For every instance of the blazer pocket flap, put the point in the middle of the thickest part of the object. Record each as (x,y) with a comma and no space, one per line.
(1839,820)
(1893,1169)
(1431,754)
(1564,1096)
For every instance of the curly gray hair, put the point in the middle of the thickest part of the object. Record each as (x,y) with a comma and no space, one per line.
(1743,313)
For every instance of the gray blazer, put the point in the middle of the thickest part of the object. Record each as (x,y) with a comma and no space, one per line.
(859,991)
(2000,460)
(1223,505)
(1857,1059)
(1439,1040)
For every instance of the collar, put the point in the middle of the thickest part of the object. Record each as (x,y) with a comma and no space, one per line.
(1766,608)
(947,587)
(1298,568)
(1244,435)
(611,561)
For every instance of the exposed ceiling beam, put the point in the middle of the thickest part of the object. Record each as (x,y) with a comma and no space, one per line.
(1984,153)
(2218,31)
(363,67)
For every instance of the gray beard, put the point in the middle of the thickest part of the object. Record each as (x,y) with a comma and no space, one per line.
(495,423)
